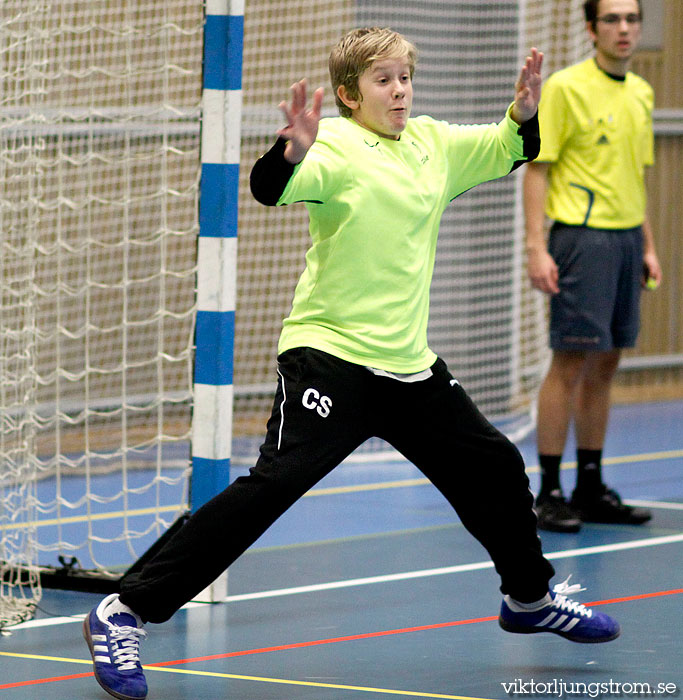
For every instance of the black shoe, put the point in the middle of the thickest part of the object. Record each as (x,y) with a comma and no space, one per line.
(604,506)
(555,514)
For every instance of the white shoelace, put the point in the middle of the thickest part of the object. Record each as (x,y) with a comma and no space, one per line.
(565,589)
(563,603)
(127,655)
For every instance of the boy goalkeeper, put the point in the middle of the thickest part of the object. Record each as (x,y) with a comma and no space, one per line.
(353,355)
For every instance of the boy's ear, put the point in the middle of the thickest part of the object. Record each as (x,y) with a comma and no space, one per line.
(343,95)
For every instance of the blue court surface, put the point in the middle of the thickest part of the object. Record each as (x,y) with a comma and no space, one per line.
(369,587)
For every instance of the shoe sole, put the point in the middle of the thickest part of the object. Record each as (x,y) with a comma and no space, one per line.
(533,630)
(616,522)
(587,518)
(88,639)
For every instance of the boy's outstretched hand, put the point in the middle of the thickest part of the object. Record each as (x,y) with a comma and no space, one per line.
(528,88)
(302,123)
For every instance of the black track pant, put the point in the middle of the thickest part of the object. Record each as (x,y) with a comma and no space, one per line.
(324,408)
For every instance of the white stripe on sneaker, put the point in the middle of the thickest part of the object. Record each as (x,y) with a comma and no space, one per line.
(560,621)
(547,620)
(570,625)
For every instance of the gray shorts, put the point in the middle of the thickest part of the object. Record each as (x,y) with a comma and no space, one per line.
(598,307)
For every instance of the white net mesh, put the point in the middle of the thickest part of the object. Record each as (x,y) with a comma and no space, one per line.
(558,27)
(99,151)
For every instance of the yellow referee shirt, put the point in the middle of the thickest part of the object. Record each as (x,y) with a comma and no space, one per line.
(596,131)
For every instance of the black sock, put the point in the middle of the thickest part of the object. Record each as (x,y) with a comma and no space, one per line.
(550,473)
(588,470)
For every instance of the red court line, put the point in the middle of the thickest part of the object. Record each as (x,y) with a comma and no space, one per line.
(335,640)
(332,640)
(38,681)
(404,630)
(640,596)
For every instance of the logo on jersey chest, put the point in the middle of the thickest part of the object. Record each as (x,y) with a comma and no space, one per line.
(422,157)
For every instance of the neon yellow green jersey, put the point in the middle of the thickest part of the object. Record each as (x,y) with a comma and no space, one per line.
(596,132)
(374,206)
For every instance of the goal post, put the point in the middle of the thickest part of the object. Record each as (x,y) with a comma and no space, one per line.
(217,258)
(217,249)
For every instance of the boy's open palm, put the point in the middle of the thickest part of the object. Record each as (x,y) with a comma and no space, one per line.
(302,123)
(528,88)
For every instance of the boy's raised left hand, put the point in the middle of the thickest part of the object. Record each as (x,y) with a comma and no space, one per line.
(528,88)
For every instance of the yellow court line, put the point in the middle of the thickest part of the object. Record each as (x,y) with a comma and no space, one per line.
(647,457)
(95,516)
(336,490)
(39,657)
(626,459)
(311,684)
(376,486)
(276,681)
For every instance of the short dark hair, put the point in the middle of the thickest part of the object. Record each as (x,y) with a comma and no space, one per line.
(590,11)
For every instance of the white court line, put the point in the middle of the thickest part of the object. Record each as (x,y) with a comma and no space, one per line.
(664,505)
(388,578)
(563,554)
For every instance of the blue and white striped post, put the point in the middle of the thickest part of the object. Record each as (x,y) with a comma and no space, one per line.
(217,251)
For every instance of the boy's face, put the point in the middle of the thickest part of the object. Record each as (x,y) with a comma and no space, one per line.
(385,97)
(617,29)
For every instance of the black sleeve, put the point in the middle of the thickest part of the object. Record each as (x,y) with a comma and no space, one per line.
(270,175)
(531,141)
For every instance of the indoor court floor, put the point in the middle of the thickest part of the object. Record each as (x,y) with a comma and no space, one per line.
(369,587)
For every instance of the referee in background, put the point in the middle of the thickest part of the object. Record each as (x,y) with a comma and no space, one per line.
(596,140)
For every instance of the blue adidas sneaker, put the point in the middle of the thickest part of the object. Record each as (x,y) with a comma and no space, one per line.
(113,633)
(562,616)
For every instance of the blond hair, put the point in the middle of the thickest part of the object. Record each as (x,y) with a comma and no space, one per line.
(357,51)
